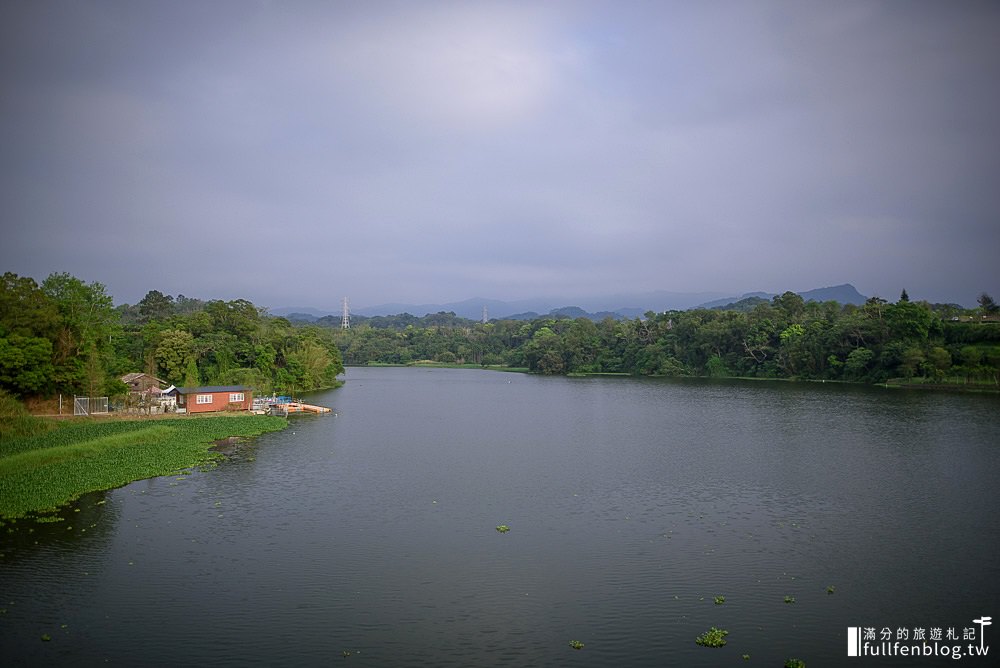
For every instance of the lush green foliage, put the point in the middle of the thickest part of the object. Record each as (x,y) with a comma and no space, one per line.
(783,338)
(714,637)
(66,337)
(43,471)
(16,422)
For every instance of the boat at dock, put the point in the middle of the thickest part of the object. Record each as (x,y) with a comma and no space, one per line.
(285,406)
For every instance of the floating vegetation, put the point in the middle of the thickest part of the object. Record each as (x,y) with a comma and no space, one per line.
(503,528)
(829,590)
(576,644)
(795,663)
(42,472)
(719,600)
(789,599)
(46,637)
(714,637)
(746,657)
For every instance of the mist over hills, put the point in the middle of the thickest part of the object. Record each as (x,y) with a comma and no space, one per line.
(615,306)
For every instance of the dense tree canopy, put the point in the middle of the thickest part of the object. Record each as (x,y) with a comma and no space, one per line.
(782,338)
(65,336)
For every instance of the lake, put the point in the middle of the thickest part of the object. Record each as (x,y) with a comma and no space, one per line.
(632,503)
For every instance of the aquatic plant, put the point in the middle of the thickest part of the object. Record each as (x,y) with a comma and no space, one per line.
(829,590)
(714,637)
(576,644)
(719,600)
(795,663)
(746,657)
(39,473)
(789,599)
(503,528)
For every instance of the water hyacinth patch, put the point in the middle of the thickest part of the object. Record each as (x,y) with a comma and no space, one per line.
(42,472)
(714,637)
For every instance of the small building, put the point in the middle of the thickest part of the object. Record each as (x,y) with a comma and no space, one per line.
(212,398)
(143,383)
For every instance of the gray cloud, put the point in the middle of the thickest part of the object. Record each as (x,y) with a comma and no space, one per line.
(438,151)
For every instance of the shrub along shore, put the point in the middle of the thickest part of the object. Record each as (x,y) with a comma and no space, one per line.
(45,464)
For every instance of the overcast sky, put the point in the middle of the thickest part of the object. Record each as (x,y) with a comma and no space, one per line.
(293,153)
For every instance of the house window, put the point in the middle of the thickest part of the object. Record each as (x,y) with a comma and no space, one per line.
(204,399)
(235,397)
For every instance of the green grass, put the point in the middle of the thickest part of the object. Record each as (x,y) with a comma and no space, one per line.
(16,422)
(40,472)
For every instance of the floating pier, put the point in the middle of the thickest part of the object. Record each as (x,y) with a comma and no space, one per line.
(299,407)
(285,406)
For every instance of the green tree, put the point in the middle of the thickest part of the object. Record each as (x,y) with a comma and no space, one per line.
(25,309)
(716,367)
(25,364)
(88,320)
(912,360)
(939,360)
(175,356)
(857,362)
(155,306)
(987,304)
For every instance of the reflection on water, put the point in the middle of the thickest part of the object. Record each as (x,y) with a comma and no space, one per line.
(631,502)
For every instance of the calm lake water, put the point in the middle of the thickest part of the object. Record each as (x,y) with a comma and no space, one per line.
(631,504)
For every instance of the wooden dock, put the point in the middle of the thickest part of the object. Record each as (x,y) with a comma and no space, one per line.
(265,406)
(299,407)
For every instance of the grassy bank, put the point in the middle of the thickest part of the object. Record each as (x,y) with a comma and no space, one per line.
(45,464)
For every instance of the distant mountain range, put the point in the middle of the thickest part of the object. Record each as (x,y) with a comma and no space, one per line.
(615,306)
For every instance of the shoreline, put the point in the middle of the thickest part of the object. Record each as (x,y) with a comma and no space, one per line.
(65,459)
(891,384)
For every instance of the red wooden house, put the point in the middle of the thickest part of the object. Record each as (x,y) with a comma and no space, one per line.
(213,398)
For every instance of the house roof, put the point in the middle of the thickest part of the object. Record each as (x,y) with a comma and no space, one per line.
(207,389)
(129,377)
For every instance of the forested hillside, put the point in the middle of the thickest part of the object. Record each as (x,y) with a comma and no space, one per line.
(66,336)
(786,337)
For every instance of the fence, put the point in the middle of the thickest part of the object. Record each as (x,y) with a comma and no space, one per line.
(90,405)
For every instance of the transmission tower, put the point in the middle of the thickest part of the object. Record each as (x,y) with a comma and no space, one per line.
(486,316)
(345,319)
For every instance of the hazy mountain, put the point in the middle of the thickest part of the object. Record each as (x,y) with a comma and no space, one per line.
(625,305)
(287,311)
(628,305)
(726,301)
(845,294)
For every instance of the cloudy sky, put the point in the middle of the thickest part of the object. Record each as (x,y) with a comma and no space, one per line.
(293,153)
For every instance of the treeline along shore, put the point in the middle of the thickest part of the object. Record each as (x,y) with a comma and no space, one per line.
(906,342)
(65,336)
